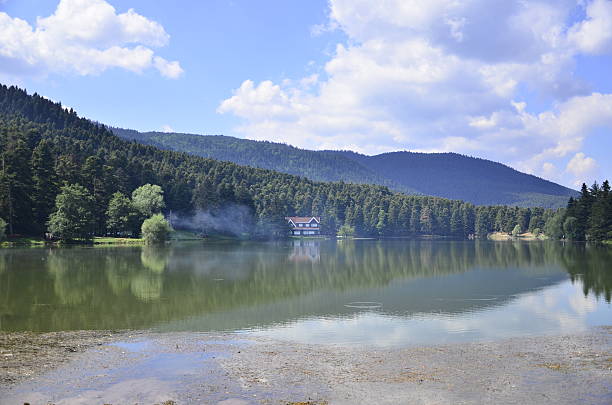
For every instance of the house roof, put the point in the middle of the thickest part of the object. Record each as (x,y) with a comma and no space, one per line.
(302,220)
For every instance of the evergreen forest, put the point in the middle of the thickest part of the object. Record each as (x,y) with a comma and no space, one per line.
(447,175)
(48,152)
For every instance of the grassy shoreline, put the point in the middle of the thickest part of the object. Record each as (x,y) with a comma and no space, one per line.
(28,241)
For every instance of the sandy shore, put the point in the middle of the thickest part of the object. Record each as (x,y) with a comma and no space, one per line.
(226,369)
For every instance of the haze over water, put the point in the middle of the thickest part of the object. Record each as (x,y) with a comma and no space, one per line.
(384,293)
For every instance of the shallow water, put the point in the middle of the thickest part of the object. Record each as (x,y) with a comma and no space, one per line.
(385,293)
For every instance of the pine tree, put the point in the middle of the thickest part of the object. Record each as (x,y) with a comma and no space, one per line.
(600,219)
(456,225)
(16,185)
(45,186)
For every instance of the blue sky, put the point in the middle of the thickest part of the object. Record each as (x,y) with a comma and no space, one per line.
(523,83)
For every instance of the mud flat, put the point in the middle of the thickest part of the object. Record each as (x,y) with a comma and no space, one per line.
(226,369)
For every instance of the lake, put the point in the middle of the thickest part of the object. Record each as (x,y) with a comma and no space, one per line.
(386,293)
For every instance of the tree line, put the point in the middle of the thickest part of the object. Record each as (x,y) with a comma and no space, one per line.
(588,217)
(45,149)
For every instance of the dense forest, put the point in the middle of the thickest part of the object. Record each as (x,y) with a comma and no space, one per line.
(45,148)
(588,217)
(452,175)
(325,166)
(447,175)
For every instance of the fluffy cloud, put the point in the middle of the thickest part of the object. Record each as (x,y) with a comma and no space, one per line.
(594,34)
(581,167)
(85,37)
(444,75)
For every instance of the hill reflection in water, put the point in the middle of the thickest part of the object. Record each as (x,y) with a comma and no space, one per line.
(297,287)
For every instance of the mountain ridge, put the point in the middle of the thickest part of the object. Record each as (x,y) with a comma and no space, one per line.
(448,175)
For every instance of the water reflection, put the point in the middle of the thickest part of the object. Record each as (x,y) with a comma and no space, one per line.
(303,287)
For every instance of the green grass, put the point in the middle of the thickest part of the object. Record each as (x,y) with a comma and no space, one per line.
(107,240)
(23,241)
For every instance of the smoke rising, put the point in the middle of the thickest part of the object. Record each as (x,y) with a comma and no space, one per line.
(231,219)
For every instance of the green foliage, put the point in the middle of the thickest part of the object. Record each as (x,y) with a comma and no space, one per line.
(554,226)
(120,214)
(42,145)
(405,172)
(44,180)
(2,229)
(73,217)
(572,229)
(589,217)
(346,231)
(536,232)
(148,199)
(516,231)
(155,229)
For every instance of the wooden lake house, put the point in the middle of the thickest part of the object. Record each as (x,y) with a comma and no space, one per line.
(304,226)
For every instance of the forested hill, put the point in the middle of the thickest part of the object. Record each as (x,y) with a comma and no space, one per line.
(456,176)
(44,148)
(446,175)
(315,165)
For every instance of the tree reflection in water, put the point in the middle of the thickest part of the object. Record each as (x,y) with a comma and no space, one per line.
(139,287)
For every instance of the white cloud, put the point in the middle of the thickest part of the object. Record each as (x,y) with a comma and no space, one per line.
(594,35)
(443,75)
(582,167)
(83,37)
(167,128)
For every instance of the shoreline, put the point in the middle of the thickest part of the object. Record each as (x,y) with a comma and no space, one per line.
(190,367)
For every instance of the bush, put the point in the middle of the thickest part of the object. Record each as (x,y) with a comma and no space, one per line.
(536,232)
(2,229)
(156,229)
(516,231)
(346,231)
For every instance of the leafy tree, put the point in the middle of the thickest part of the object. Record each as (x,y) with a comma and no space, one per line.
(73,217)
(426,220)
(156,229)
(536,232)
(148,199)
(346,231)
(572,229)
(456,225)
(120,214)
(554,226)
(516,231)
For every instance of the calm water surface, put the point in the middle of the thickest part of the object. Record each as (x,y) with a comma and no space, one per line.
(385,293)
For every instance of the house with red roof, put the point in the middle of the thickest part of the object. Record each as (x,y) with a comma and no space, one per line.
(304,226)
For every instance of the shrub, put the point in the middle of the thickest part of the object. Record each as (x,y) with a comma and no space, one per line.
(155,229)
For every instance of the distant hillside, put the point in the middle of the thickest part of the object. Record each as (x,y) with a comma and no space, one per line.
(316,165)
(448,175)
(455,176)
